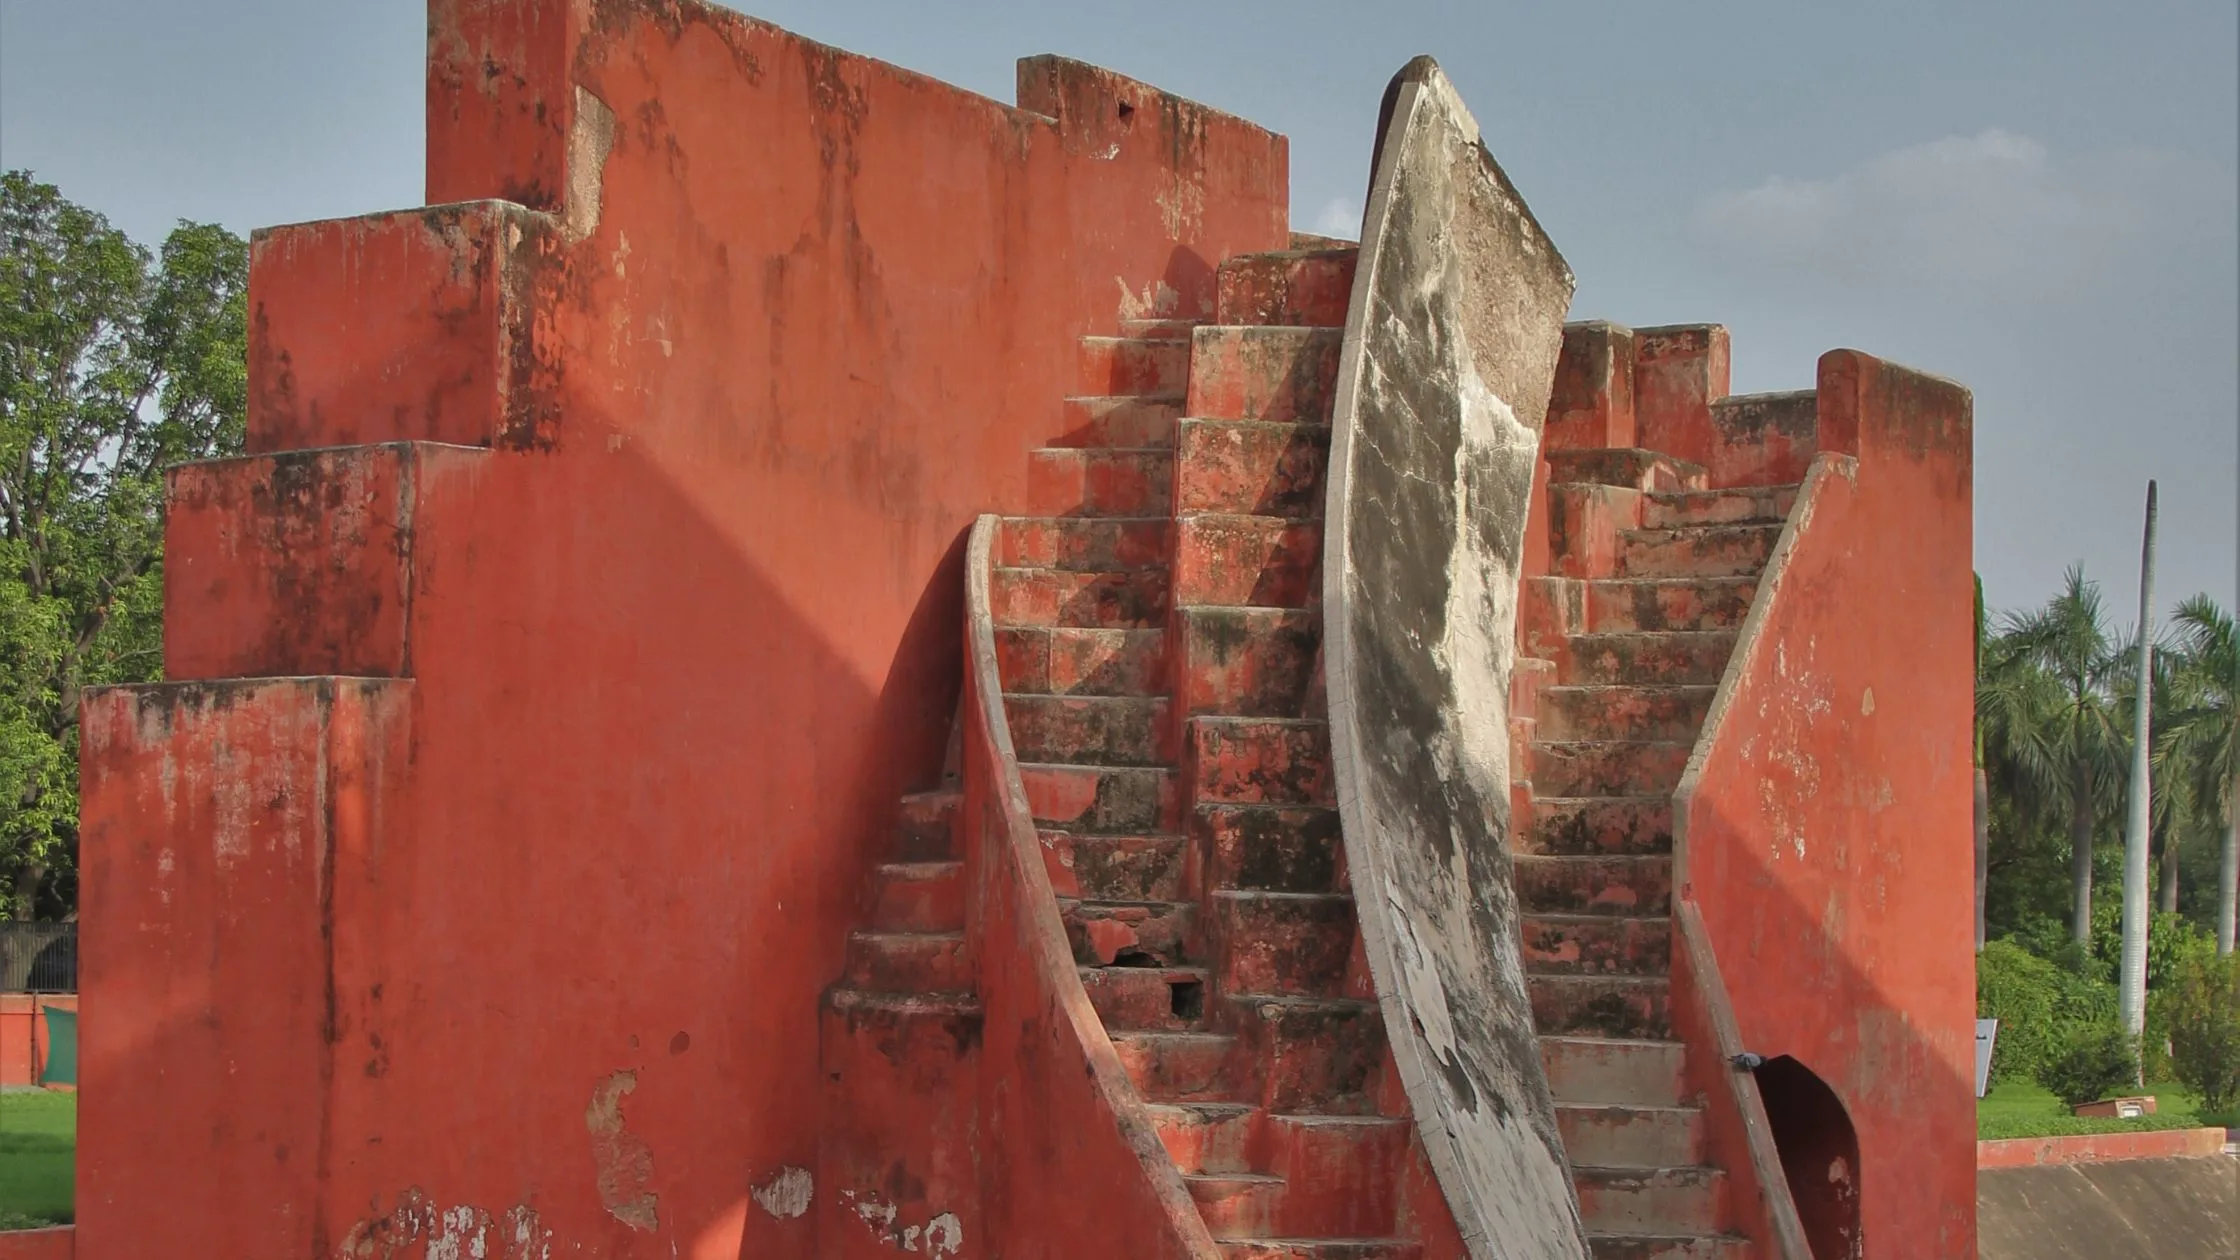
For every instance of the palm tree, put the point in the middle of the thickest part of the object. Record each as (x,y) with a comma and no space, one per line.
(2200,745)
(2078,739)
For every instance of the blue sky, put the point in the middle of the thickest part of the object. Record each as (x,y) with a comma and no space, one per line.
(2038,199)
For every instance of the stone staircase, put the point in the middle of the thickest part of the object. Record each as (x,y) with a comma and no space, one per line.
(1158,636)
(1624,643)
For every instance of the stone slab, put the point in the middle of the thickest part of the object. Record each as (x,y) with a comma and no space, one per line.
(1444,377)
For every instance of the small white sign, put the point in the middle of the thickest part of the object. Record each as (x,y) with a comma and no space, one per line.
(1987,1031)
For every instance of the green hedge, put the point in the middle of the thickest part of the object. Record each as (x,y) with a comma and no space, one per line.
(2037,1003)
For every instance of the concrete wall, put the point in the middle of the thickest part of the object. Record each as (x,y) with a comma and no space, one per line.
(2132,1209)
(1825,821)
(775,323)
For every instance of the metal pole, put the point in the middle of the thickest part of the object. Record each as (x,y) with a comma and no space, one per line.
(2134,975)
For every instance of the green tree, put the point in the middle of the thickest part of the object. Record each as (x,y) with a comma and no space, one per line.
(2078,742)
(2198,745)
(114,364)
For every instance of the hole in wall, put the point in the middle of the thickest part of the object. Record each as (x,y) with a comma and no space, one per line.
(1819,1156)
(1135,958)
(1187,998)
(1127,114)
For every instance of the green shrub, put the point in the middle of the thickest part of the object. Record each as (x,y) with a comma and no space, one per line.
(2091,1062)
(2201,1007)
(2035,1002)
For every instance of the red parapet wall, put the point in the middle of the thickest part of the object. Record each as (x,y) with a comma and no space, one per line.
(23,1034)
(1825,823)
(775,324)
(2099,1148)
(58,1243)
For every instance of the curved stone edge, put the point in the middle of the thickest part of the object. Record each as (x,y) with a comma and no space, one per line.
(1458,283)
(1063,1100)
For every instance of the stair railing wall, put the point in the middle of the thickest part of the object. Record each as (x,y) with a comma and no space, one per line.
(1069,1153)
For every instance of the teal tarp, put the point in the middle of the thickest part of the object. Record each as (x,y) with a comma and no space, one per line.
(61,1067)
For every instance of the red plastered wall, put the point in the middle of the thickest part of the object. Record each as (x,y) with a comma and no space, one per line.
(1828,837)
(675,645)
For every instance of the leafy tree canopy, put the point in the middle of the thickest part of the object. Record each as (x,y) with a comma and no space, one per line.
(114,364)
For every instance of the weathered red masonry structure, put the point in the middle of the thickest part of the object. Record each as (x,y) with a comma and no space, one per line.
(762,691)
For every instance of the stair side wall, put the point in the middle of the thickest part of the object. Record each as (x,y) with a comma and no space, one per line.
(1825,821)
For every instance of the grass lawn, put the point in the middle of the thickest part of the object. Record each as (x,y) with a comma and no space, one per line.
(2026,1109)
(38,1146)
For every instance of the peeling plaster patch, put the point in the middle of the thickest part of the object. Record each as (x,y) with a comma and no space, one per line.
(624,1162)
(590,141)
(1157,301)
(418,1227)
(1182,209)
(942,1236)
(786,1195)
(1866,703)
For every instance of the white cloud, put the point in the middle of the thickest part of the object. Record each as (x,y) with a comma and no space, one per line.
(1341,218)
(1996,214)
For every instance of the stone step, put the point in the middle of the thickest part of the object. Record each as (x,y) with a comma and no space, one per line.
(1622,713)
(1764,439)
(1607,767)
(1631,1007)
(1352,1200)
(1345,1156)
(1699,551)
(1238,561)
(1259,761)
(1122,422)
(1311,1055)
(1163,999)
(1176,1067)
(1107,800)
(1082,661)
(908,962)
(925,831)
(1650,604)
(1093,482)
(1159,328)
(1114,868)
(1737,505)
(918,897)
(1667,658)
(1091,730)
(1616,1072)
(1294,944)
(1668,1247)
(1248,662)
(1621,466)
(1634,884)
(1598,826)
(1319,1249)
(1206,1137)
(1609,1136)
(1250,468)
(1661,1201)
(1133,365)
(1275,848)
(1131,933)
(1085,544)
(1300,287)
(1246,372)
(1586,527)
(1056,597)
(1595,944)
